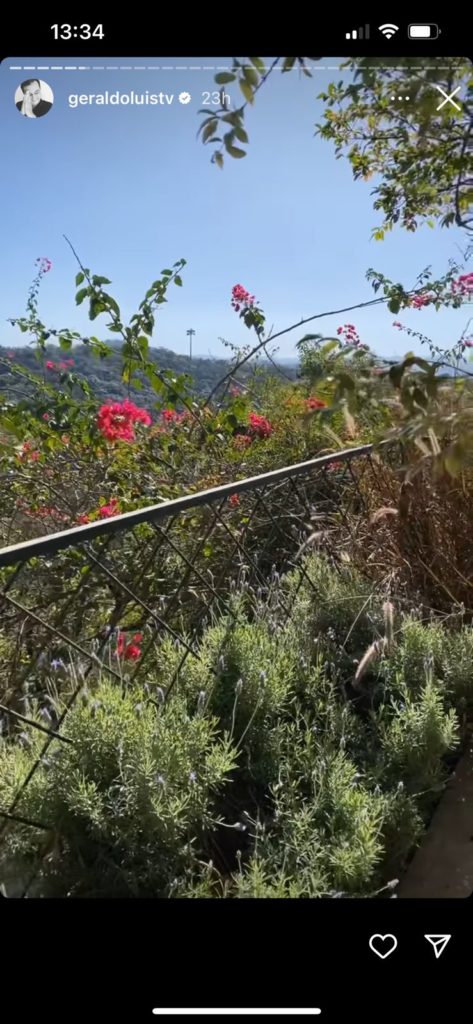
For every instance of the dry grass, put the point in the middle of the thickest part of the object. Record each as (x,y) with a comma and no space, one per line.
(420,530)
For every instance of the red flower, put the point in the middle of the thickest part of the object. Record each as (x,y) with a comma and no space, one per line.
(46,416)
(132,652)
(50,365)
(468,343)
(315,403)
(112,509)
(260,426)
(83,519)
(397,323)
(333,466)
(62,366)
(234,500)
(116,421)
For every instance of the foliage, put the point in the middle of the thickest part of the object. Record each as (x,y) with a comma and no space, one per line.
(422,157)
(255,773)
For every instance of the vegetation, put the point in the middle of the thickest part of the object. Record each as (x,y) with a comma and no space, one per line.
(261,777)
(298,746)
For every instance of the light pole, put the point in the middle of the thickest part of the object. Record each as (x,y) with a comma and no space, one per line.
(190,334)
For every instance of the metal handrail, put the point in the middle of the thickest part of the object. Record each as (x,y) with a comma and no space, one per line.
(51,543)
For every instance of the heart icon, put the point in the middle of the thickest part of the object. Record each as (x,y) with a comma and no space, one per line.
(383,945)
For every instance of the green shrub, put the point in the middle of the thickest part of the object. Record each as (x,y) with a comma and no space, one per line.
(128,800)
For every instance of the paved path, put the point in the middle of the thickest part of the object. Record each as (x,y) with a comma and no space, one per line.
(443,865)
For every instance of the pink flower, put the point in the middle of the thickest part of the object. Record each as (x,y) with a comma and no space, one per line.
(397,323)
(463,285)
(112,509)
(44,264)
(468,343)
(131,652)
(116,421)
(242,441)
(418,301)
(314,403)
(241,297)
(62,366)
(260,426)
(50,365)
(350,334)
(46,416)
(83,519)
(234,500)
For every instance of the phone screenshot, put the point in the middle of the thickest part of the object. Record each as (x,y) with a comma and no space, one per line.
(236,502)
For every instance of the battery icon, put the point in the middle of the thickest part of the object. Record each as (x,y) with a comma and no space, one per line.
(423,31)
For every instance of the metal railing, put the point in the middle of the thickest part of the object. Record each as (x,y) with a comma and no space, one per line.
(163,571)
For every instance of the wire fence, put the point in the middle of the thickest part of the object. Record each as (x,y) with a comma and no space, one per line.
(73,603)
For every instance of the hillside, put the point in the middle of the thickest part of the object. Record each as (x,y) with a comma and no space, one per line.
(104,375)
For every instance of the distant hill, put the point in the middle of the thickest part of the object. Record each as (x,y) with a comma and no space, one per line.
(103,375)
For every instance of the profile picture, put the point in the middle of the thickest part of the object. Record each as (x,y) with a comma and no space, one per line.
(34,98)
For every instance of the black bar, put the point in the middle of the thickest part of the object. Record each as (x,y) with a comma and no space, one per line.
(134,35)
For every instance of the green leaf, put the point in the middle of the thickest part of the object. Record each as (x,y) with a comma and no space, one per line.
(218,159)
(247,90)
(112,304)
(288,63)
(224,77)
(235,152)
(166,273)
(259,64)
(96,280)
(394,305)
(81,295)
(65,343)
(240,133)
(79,279)
(209,130)
(251,76)
(329,346)
(178,280)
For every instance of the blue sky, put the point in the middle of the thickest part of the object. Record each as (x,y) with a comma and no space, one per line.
(134,190)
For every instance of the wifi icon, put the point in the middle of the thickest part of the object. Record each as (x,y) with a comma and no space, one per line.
(389,30)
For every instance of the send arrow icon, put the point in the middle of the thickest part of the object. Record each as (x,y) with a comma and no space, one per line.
(438,943)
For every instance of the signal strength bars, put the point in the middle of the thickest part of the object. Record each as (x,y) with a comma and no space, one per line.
(359,33)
